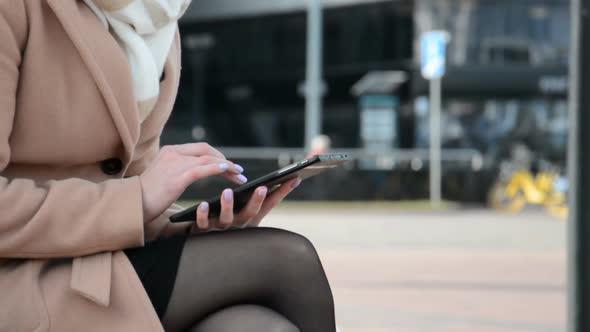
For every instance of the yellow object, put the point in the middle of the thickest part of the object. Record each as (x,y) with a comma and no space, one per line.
(524,188)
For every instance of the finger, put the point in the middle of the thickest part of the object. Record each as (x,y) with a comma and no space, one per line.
(274,199)
(253,207)
(234,168)
(199,172)
(229,175)
(198,149)
(226,217)
(237,179)
(203,216)
(206,160)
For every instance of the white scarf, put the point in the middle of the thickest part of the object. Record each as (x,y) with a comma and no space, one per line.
(145,30)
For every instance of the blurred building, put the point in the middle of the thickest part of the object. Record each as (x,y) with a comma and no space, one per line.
(507,80)
(242,70)
(244,64)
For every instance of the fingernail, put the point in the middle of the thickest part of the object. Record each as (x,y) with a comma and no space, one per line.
(224,166)
(242,178)
(204,207)
(262,192)
(296,184)
(239,168)
(228,195)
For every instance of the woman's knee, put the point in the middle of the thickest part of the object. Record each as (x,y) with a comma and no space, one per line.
(293,250)
(245,318)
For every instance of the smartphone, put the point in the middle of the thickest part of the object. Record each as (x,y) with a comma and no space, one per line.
(303,169)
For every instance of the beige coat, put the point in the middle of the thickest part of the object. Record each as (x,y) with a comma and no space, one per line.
(71,150)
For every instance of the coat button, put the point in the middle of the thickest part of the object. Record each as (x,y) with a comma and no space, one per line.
(111,166)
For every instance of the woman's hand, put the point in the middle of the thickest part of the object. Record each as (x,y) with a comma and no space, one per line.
(178,166)
(260,204)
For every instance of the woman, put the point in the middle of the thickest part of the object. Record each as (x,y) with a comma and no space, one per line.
(85,191)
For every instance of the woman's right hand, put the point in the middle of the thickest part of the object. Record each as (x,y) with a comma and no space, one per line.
(178,166)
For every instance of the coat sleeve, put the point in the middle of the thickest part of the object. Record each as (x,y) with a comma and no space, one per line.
(66,218)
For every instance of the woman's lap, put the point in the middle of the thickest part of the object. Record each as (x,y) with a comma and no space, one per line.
(189,278)
(268,267)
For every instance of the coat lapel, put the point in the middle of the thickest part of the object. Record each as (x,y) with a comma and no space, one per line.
(116,91)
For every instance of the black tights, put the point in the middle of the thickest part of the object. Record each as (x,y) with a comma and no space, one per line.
(270,268)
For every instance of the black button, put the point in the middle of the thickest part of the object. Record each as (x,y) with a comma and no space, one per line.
(111,166)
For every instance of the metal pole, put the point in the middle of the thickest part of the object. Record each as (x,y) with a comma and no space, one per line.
(435,142)
(313,85)
(578,165)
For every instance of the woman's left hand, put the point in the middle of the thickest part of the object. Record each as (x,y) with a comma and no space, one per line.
(260,205)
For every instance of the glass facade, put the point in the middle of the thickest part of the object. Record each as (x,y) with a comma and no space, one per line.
(534,32)
(242,76)
(507,78)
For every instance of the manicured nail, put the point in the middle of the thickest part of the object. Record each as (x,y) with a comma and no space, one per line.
(296,184)
(228,195)
(204,207)
(262,192)
(242,178)
(239,168)
(224,166)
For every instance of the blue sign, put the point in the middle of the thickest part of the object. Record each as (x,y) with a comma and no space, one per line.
(433,50)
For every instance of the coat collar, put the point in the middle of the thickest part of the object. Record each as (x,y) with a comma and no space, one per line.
(117,93)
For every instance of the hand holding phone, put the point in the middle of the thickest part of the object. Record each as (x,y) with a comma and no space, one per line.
(241,195)
(259,205)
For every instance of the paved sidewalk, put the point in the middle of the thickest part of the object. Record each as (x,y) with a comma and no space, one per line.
(450,271)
